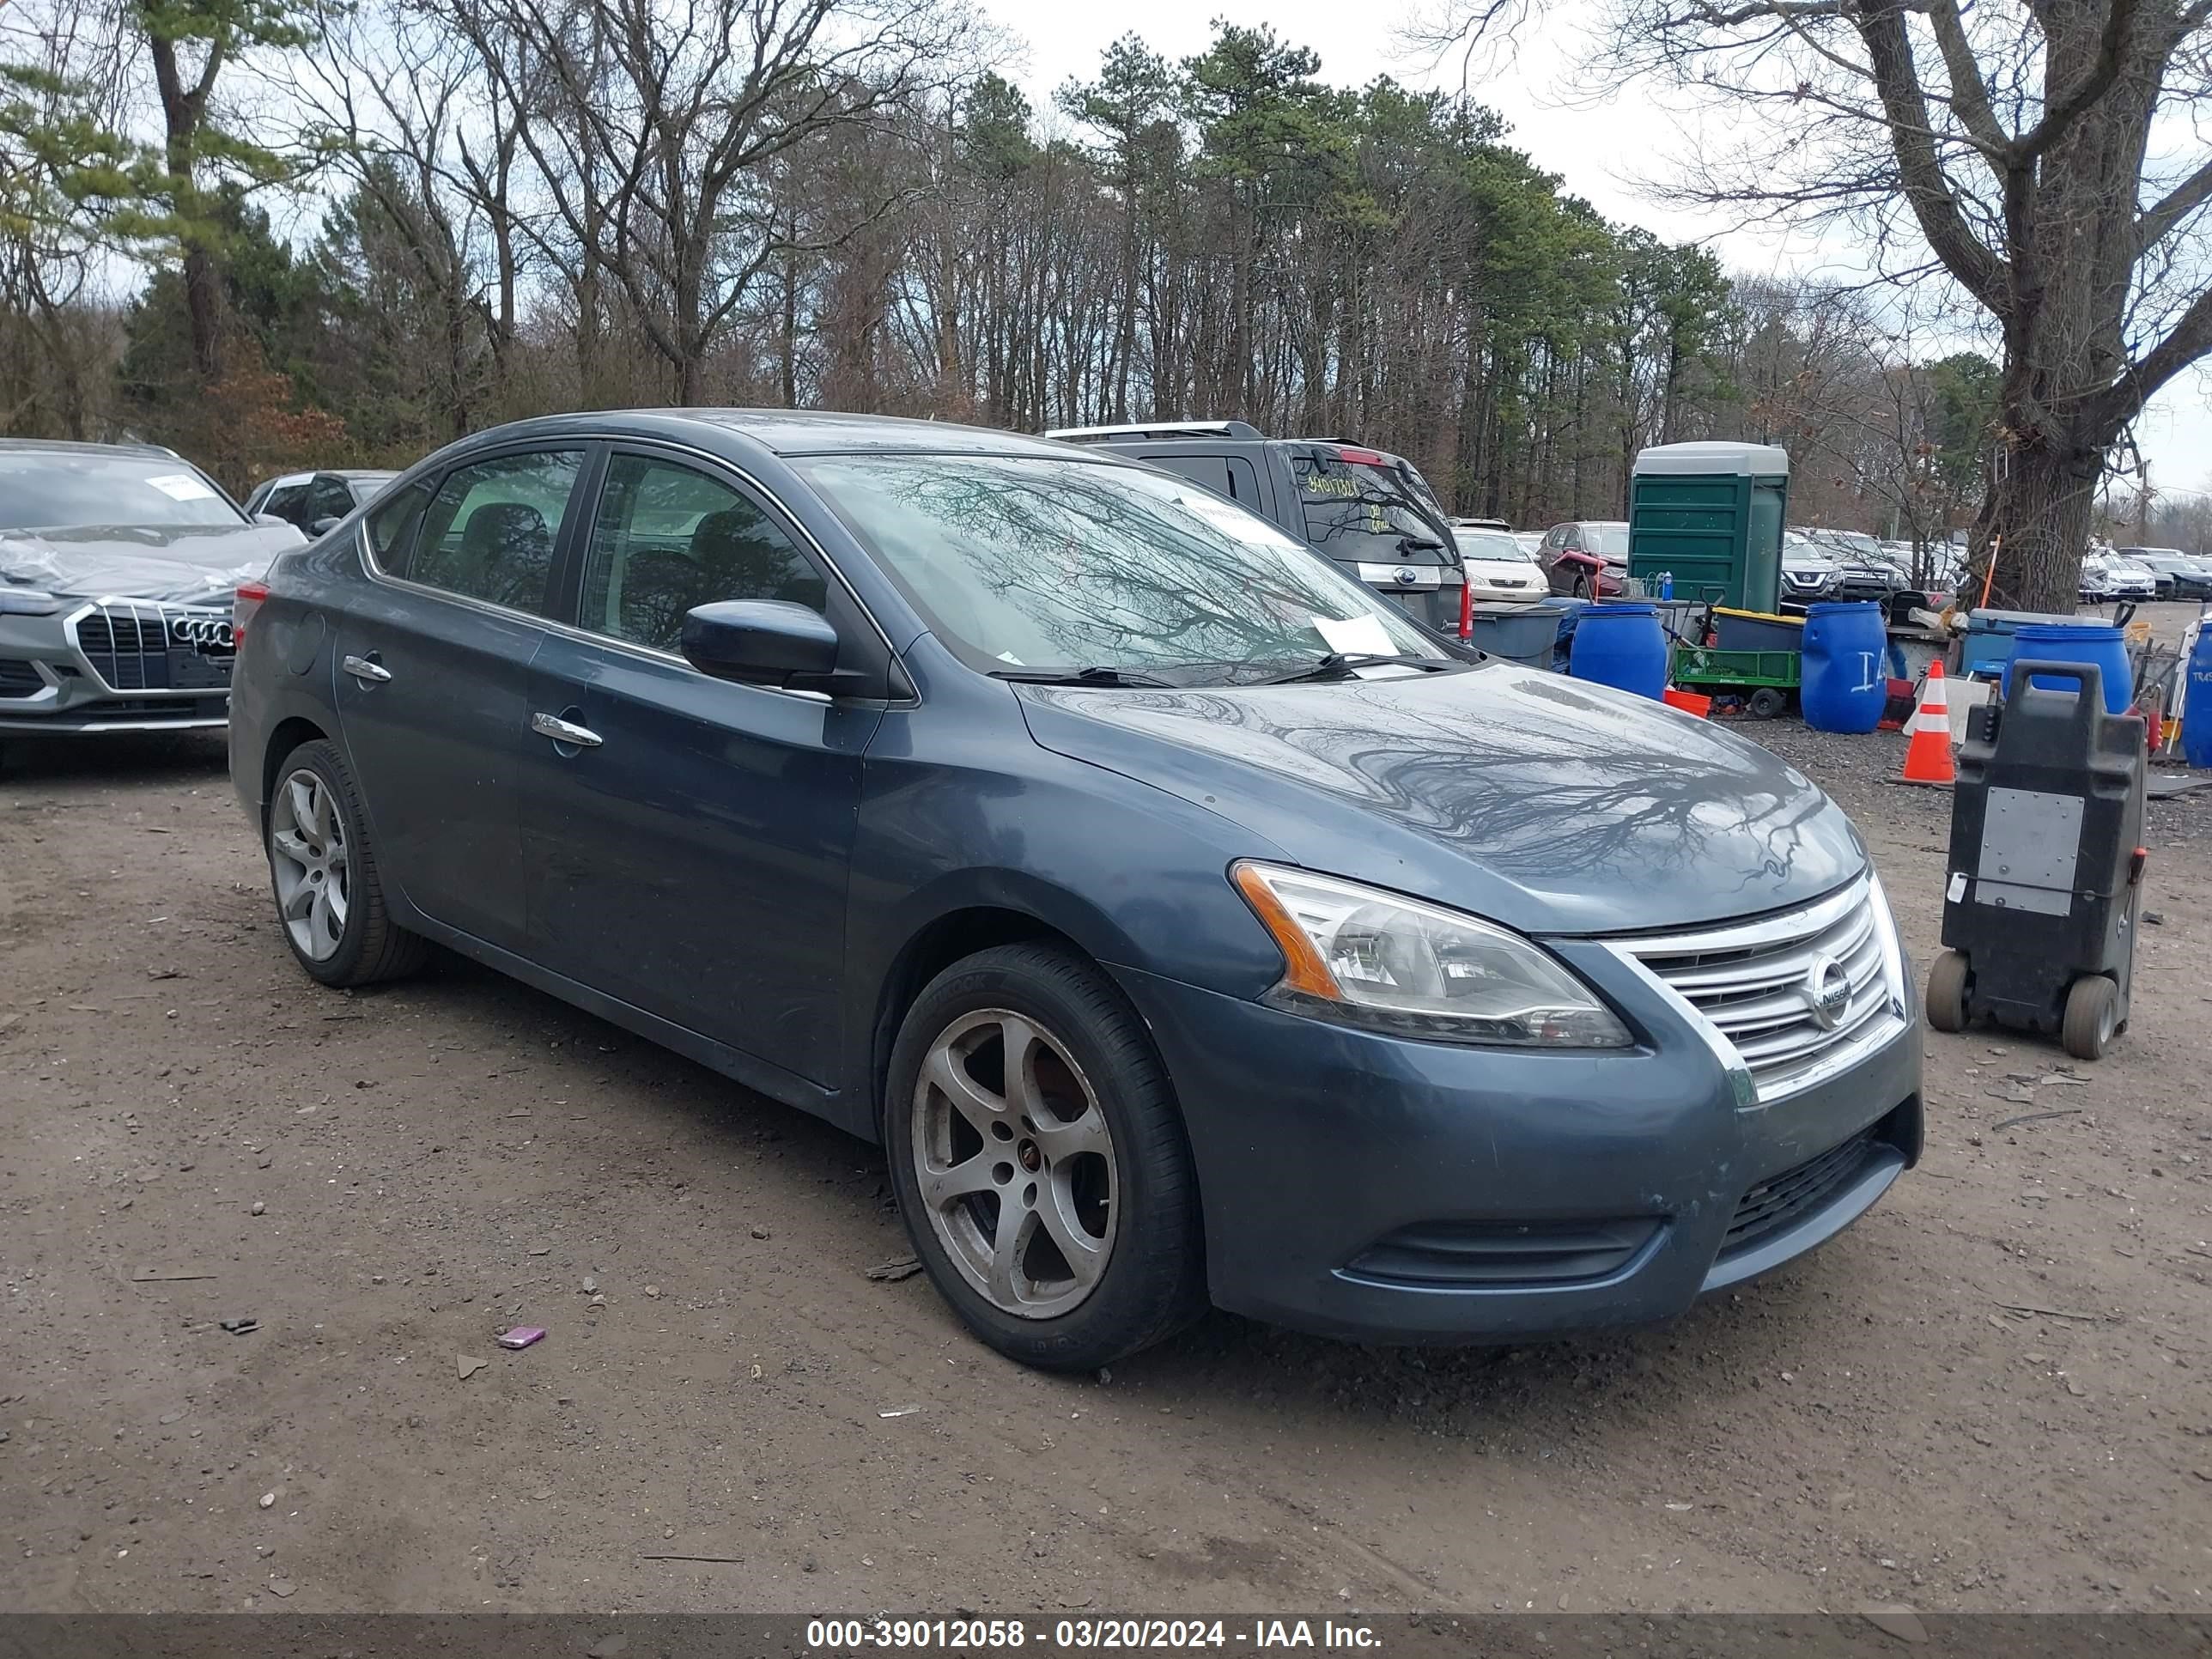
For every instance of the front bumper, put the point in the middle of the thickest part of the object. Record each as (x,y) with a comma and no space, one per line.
(114,667)
(1343,1172)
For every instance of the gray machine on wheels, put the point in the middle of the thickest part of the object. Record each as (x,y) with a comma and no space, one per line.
(2045,874)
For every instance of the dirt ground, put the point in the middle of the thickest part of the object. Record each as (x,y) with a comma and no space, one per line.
(1994,1393)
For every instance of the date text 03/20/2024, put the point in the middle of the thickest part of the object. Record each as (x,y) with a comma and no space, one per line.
(968,1634)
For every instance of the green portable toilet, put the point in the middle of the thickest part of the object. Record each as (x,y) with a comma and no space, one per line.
(1710,515)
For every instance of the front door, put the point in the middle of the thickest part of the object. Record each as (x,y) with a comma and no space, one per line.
(431,680)
(689,841)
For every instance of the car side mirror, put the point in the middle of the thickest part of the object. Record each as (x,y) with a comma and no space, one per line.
(270,519)
(763,642)
(324,527)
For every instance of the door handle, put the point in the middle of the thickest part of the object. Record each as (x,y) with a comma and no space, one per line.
(367,670)
(560,731)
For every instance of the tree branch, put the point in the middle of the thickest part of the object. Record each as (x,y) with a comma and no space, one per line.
(2111,48)
(2191,194)
(1970,93)
(2189,340)
(1927,190)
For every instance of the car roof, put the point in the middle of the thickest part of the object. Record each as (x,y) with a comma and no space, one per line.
(794,432)
(361,472)
(75,447)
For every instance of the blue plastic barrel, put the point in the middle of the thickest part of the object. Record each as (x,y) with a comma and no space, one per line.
(1623,646)
(2197,708)
(2098,642)
(1844,680)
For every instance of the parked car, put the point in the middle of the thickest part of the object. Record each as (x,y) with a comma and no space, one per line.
(1532,541)
(314,501)
(1499,570)
(1371,513)
(116,567)
(2107,578)
(1864,571)
(1186,922)
(2175,573)
(1808,574)
(1588,558)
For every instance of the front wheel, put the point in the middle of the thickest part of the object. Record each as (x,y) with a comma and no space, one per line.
(1581,588)
(1040,1160)
(329,896)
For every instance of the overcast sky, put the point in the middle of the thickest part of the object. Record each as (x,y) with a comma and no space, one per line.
(1597,152)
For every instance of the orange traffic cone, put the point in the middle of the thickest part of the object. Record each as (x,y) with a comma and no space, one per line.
(1928,758)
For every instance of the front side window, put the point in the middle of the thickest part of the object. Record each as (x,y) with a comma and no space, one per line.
(1024,563)
(668,538)
(327,498)
(489,531)
(72,489)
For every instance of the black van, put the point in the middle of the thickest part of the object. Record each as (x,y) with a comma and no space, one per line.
(1372,513)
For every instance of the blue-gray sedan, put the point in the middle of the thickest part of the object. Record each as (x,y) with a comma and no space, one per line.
(1186,923)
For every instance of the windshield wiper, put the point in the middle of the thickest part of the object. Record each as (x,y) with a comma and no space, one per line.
(1420,545)
(1339,665)
(1092,675)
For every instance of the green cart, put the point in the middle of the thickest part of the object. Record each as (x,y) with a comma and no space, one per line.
(1765,679)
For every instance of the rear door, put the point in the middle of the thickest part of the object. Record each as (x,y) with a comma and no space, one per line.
(431,678)
(688,840)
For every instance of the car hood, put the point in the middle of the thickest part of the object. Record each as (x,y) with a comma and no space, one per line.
(1549,805)
(182,564)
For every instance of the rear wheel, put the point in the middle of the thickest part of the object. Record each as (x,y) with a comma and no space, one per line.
(1040,1160)
(1948,981)
(2093,1010)
(330,896)
(1767,703)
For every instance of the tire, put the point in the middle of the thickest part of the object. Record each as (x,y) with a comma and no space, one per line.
(2093,1005)
(1134,1197)
(1949,978)
(1767,703)
(1581,585)
(323,873)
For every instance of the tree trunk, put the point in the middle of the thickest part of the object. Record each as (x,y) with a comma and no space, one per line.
(2041,508)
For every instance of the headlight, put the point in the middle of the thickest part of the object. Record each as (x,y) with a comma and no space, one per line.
(27,602)
(1372,959)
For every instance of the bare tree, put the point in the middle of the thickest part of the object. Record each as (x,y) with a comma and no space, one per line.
(2006,145)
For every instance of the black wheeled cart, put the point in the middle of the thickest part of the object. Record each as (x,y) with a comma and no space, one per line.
(2045,876)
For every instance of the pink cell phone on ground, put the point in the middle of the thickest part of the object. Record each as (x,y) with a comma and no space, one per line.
(521,1336)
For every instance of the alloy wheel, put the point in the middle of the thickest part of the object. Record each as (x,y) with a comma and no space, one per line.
(1014,1162)
(308,852)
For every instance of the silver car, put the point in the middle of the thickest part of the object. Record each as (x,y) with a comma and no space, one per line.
(117,568)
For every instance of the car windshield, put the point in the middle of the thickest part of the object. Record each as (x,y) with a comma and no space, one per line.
(1490,545)
(1042,564)
(1854,546)
(1608,541)
(62,489)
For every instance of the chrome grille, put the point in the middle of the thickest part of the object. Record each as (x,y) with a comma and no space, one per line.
(1755,982)
(139,645)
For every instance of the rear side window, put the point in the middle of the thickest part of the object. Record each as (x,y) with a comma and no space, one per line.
(488,533)
(391,527)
